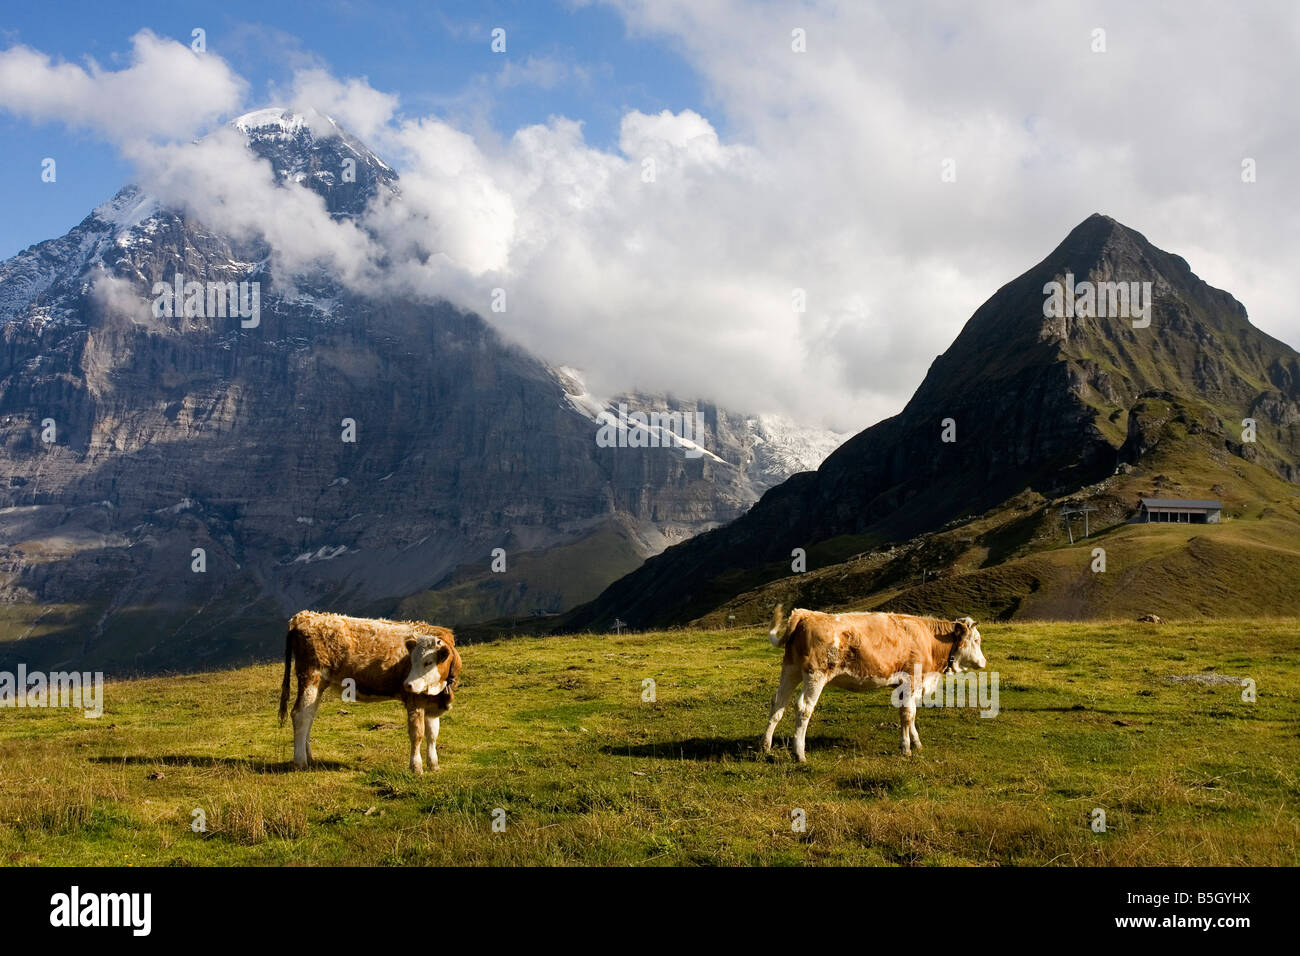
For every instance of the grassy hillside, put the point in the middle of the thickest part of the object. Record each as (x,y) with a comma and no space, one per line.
(1016,561)
(1124,717)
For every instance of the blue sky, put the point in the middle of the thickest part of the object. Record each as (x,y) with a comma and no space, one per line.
(435,56)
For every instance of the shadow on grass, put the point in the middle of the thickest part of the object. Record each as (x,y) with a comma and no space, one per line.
(873,786)
(1082,709)
(716,748)
(242,763)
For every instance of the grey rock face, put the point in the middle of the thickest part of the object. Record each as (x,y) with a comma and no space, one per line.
(177,435)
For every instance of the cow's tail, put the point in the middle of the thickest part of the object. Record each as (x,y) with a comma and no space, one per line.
(288,668)
(780,627)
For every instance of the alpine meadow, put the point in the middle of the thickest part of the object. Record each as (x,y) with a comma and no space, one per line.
(643,435)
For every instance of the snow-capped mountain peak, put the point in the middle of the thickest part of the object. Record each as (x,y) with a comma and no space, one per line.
(309,148)
(271,120)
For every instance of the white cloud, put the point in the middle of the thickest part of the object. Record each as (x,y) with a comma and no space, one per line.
(1044,133)
(120,298)
(451,203)
(234,192)
(358,106)
(168,91)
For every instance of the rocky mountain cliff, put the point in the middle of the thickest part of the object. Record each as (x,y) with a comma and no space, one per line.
(174,486)
(1023,403)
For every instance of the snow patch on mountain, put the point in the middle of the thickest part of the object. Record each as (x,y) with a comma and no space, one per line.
(271,121)
(784,447)
(129,208)
(577,394)
(775,447)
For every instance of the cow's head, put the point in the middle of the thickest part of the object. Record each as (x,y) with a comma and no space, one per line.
(966,652)
(435,665)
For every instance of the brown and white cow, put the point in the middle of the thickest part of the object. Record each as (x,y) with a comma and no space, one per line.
(409,660)
(863,651)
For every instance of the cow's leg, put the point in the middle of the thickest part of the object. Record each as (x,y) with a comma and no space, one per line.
(790,674)
(415,727)
(812,689)
(320,692)
(916,738)
(431,725)
(304,712)
(907,719)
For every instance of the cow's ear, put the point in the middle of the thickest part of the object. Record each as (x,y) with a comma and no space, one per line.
(410,643)
(453,672)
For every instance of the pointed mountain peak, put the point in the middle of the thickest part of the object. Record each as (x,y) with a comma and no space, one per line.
(1099,237)
(278,123)
(1112,313)
(1102,249)
(309,147)
(272,119)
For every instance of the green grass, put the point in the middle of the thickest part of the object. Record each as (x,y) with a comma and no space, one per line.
(555,732)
